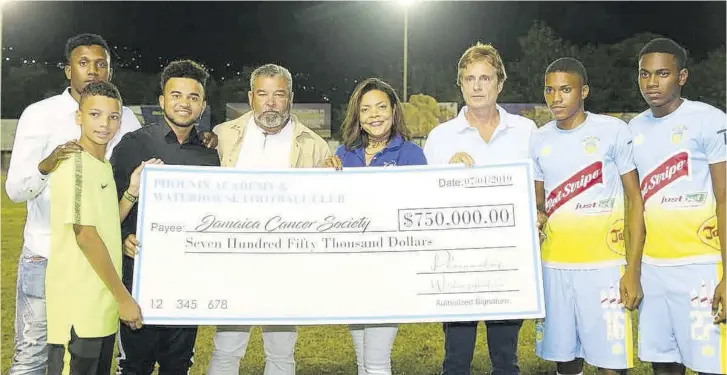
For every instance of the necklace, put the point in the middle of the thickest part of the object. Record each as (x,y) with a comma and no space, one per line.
(377,145)
(371,153)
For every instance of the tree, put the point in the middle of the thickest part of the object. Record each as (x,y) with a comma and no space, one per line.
(613,72)
(707,79)
(611,69)
(235,90)
(137,88)
(24,85)
(540,47)
(439,82)
(212,96)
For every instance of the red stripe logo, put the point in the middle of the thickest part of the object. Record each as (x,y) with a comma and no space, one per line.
(574,186)
(669,171)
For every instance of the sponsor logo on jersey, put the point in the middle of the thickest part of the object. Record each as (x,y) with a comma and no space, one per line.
(669,171)
(708,233)
(606,203)
(677,134)
(707,350)
(617,348)
(596,207)
(615,237)
(574,186)
(691,200)
(590,144)
(546,150)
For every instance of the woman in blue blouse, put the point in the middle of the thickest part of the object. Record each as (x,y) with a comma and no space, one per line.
(374,135)
(373,132)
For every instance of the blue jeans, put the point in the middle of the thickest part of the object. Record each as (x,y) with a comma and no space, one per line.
(31,350)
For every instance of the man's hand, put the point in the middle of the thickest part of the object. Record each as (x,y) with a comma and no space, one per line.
(719,303)
(462,157)
(209,139)
(130,245)
(630,289)
(540,224)
(62,152)
(333,162)
(135,179)
(130,313)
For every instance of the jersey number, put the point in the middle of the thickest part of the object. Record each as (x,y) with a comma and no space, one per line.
(615,329)
(701,324)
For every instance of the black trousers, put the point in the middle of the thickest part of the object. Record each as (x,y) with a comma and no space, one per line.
(140,350)
(459,346)
(88,356)
(170,346)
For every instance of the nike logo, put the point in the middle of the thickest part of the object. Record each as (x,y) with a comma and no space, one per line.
(104,186)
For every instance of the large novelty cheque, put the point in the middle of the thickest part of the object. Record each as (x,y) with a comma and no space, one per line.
(318,246)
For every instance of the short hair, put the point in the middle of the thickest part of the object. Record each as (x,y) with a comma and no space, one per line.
(568,65)
(185,69)
(84,40)
(482,52)
(271,70)
(666,45)
(100,88)
(353,136)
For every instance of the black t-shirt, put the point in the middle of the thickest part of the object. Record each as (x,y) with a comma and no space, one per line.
(153,141)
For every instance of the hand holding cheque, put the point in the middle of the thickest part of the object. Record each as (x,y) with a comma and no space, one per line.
(293,247)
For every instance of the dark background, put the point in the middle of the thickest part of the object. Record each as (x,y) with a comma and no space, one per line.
(328,46)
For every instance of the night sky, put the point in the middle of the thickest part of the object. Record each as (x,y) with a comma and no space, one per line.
(344,39)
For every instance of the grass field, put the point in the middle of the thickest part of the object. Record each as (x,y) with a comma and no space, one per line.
(418,349)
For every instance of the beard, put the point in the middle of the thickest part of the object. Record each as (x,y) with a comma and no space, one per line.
(182,123)
(272,119)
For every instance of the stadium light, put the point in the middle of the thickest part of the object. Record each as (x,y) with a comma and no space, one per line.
(406,4)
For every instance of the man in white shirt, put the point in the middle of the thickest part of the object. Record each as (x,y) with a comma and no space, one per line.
(45,135)
(482,133)
(267,137)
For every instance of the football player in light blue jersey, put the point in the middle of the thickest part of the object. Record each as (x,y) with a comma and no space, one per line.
(679,151)
(583,167)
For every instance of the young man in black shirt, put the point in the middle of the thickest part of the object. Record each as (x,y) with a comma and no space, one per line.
(175,141)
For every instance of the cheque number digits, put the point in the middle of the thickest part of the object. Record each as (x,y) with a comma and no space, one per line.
(189,304)
(217,304)
(457,217)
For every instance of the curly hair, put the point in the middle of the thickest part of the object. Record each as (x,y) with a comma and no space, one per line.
(84,40)
(185,69)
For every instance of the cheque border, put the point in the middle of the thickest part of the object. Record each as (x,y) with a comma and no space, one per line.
(538,312)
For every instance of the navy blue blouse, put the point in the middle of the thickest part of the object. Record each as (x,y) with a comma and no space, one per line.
(397,152)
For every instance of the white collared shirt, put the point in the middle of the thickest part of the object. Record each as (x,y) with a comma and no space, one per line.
(41,128)
(509,142)
(265,151)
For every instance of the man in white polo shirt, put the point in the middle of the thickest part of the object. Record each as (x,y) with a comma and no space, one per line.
(267,137)
(482,133)
(45,135)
